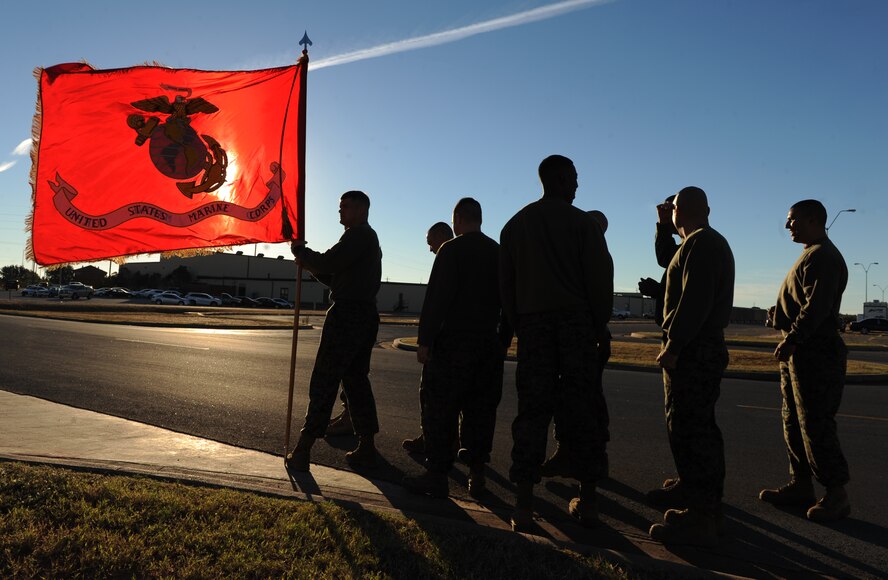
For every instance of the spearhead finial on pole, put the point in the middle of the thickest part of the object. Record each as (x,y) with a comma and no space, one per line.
(305,42)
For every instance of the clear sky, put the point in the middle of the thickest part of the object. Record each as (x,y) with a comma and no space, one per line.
(760,103)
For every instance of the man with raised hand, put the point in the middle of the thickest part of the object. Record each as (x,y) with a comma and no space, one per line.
(813,359)
(664,248)
(697,308)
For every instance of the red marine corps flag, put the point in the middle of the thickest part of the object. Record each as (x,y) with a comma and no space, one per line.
(152,159)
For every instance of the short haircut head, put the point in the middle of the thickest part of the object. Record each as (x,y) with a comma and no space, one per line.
(441,230)
(357,196)
(693,199)
(553,168)
(468,209)
(811,208)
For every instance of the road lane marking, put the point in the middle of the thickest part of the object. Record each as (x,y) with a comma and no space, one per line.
(837,415)
(164,344)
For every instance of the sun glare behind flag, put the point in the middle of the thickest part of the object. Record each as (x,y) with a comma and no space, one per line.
(152,159)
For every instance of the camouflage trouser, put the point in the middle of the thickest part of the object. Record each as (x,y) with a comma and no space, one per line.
(464,375)
(604,353)
(812,383)
(558,371)
(691,391)
(344,356)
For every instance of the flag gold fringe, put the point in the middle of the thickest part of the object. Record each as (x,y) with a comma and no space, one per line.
(36,126)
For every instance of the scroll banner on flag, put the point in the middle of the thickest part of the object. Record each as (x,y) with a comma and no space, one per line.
(152,159)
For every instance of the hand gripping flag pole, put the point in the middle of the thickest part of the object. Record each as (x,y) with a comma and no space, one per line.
(303,60)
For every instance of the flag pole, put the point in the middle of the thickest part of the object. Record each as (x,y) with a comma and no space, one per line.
(305,43)
(298,303)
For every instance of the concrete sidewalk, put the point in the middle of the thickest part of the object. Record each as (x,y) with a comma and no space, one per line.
(40,431)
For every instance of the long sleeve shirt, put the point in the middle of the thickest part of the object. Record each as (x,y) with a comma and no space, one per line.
(352,268)
(699,289)
(664,244)
(664,248)
(553,257)
(810,297)
(463,291)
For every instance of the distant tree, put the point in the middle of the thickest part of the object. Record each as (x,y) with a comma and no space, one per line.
(179,278)
(23,276)
(61,275)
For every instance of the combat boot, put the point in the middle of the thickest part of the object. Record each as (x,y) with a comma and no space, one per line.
(675,517)
(585,507)
(477,483)
(671,495)
(522,516)
(364,455)
(416,445)
(300,458)
(340,425)
(832,507)
(558,465)
(798,492)
(429,483)
(695,527)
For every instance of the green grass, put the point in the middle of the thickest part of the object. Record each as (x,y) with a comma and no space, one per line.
(644,354)
(56,522)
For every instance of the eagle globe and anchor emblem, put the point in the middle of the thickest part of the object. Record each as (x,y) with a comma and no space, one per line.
(175,148)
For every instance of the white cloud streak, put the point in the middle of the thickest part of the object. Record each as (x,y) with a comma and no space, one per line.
(5,166)
(22,148)
(534,15)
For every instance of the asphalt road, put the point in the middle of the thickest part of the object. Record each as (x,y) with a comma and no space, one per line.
(231,386)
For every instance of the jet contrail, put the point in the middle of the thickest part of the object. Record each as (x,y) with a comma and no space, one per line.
(22,148)
(534,15)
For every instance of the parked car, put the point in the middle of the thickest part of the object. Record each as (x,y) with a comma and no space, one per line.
(118,292)
(35,290)
(201,299)
(620,314)
(249,302)
(229,300)
(266,302)
(282,303)
(868,325)
(76,290)
(146,293)
(168,298)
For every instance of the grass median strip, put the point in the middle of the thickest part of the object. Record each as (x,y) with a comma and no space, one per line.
(644,354)
(56,522)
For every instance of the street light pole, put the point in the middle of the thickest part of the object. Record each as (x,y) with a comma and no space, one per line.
(882,288)
(851,210)
(866,278)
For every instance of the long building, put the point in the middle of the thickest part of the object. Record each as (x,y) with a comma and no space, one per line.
(241,274)
(255,276)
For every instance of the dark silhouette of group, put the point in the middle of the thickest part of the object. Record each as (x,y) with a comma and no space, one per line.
(549,281)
